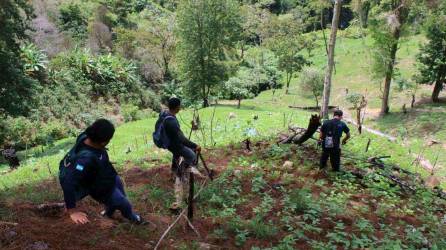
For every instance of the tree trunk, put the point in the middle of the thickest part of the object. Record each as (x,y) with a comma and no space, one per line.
(437,89)
(331,51)
(288,80)
(364,14)
(205,102)
(239,103)
(412,104)
(389,75)
(358,120)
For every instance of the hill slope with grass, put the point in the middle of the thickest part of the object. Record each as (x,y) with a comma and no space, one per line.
(255,201)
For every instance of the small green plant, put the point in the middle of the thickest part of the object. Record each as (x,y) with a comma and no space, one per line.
(262,229)
(364,226)
(265,206)
(241,237)
(298,200)
(258,183)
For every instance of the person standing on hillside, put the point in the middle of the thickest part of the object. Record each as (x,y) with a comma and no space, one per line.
(330,138)
(168,135)
(87,170)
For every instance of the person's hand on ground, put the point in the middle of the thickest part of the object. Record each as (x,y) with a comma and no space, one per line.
(79,218)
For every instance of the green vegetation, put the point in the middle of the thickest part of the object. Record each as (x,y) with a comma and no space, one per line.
(66,63)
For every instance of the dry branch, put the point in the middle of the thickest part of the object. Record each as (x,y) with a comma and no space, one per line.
(9,223)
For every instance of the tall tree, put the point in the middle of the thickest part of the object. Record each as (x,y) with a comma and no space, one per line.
(432,56)
(390,16)
(361,8)
(207,29)
(284,36)
(330,66)
(16,90)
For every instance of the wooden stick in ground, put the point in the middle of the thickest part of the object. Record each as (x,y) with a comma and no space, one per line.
(178,218)
(190,206)
(169,228)
(192,226)
(368,145)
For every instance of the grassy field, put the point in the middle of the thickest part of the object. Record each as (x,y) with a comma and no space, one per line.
(255,203)
(133,140)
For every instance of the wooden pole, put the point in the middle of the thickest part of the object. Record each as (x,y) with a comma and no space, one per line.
(190,208)
(368,145)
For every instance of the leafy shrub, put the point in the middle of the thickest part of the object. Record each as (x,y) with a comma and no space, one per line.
(240,86)
(311,83)
(72,20)
(108,76)
(299,200)
(262,229)
(34,61)
(129,112)
(354,32)
(51,131)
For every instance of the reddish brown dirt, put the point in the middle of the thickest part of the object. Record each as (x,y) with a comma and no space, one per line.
(56,231)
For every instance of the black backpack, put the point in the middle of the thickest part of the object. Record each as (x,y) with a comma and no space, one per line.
(160,137)
(71,157)
(329,137)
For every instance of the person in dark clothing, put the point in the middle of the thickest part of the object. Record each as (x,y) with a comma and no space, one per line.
(330,138)
(87,170)
(180,147)
(10,154)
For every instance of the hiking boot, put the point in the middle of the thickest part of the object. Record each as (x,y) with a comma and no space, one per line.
(141,222)
(104,214)
(175,208)
(323,170)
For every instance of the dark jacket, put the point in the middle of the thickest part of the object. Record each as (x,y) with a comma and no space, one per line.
(336,127)
(173,131)
(91,172)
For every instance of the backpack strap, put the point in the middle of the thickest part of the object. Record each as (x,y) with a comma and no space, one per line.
(169,116)
(73,153)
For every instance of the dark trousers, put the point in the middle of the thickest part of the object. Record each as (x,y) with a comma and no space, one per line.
(189,159)
(335,158)
(188,155)
(117,201)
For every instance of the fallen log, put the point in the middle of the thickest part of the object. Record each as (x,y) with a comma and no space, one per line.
(50,209)
(377,161)
(404,185)
(311,107)
(313,125)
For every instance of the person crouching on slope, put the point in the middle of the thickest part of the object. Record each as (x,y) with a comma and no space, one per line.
(168,135)
(87,170)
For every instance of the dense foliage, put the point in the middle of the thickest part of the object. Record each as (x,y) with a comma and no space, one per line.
(432,56)
(69,62)
(207,30)
(14,17)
